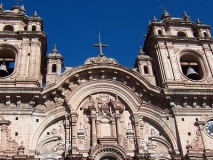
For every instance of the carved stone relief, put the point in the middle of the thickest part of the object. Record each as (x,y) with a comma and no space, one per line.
(197,142)
(11,145)
(108,111)
(52,141)
(152,140)
(7,143)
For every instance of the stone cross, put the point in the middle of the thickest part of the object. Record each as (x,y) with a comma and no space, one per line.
(100,45)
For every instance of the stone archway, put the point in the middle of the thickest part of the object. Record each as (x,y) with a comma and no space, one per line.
(108,152)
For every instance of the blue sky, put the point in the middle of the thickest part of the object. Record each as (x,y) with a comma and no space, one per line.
(74,24)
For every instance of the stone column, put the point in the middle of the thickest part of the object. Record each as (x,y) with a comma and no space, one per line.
(113,128)
(208,54)
(173,61)
(93,125)
(74,117)
(166,68)
(38,26)
(67,133)
(140,67)
(3,138)
(33,52)
(3,124)
(119,132)
(29,27)
(23,66)
(98,128)
(137,132)
(201,129)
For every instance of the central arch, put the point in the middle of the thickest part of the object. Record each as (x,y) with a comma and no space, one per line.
(126,94)
(108,152)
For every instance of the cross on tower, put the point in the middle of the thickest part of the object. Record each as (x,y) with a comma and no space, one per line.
(100,45)
(163,8)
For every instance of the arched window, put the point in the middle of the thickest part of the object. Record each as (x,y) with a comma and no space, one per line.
(205,34)
(7,61)
(54,68)
(146,71)
(33,28)
(191,66)
(8,28)
(159,32)
(181,34)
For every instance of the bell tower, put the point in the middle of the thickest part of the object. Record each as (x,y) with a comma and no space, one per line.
(181,52)
(22,48)
(54,65)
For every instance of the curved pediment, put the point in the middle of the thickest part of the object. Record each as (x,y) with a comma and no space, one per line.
(112,78)
(112,72)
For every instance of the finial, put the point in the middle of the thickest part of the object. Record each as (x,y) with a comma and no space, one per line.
(141,52)
(166,15)
(185,16)
(55,49)
(100,45)
(35,13)
(154,19)
(198,21)
(149,23)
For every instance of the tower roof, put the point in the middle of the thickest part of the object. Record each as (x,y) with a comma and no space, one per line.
(35,17)
(55,54)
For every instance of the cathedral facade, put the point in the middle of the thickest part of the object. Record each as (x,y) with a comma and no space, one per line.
(162,109)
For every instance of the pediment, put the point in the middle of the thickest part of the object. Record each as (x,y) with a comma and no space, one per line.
(83,81)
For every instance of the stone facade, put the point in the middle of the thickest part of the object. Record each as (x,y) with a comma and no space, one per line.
(159,110)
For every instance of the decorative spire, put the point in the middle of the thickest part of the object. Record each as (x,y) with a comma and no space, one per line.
(166,15)
(141,52)
(35,14)
(100,45)
(185,16)
(198,21)
(55,49)
(154,19)
(55,53)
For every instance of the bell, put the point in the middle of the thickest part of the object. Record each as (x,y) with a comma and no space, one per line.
(3,70)
(192,74)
